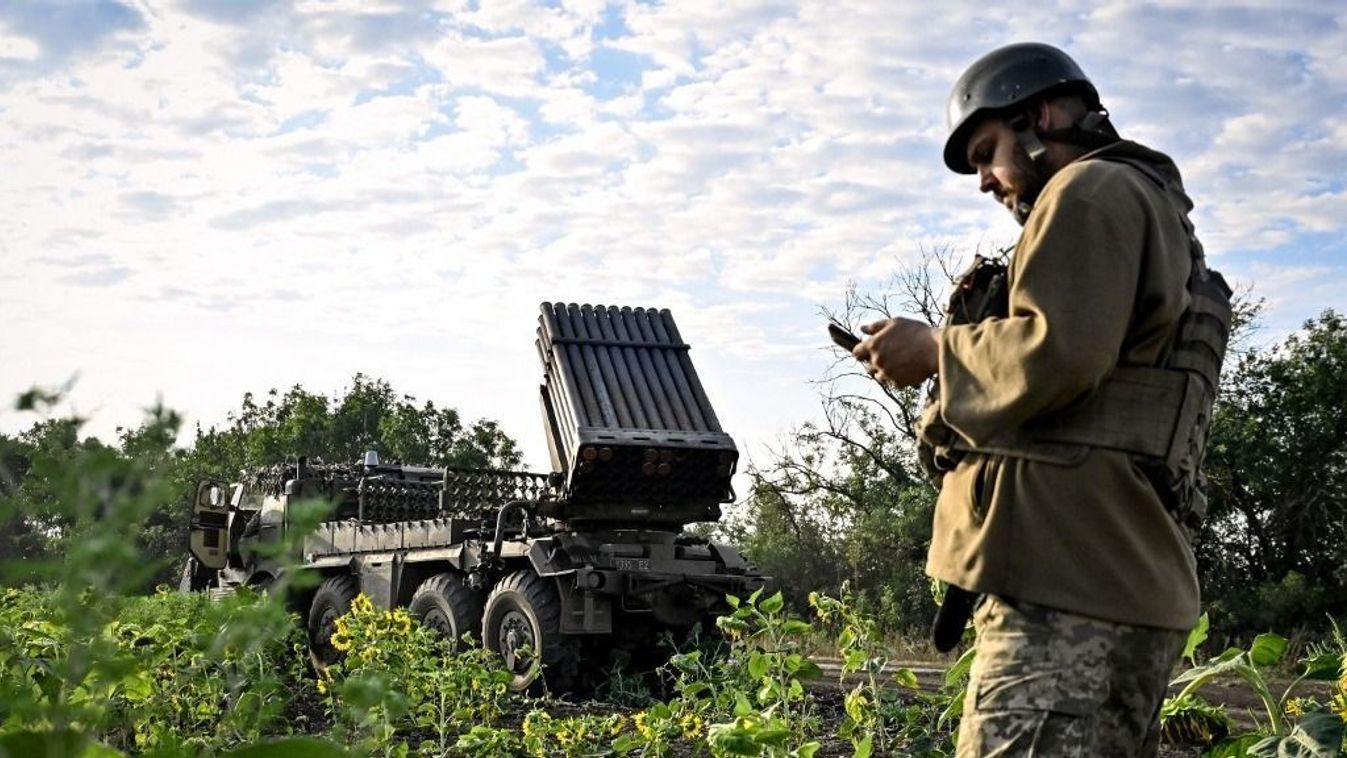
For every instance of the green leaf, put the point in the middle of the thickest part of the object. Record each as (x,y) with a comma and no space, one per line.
(694,690)
(138,686)
(854,704)
(1267,649)
(757,664)
(1196,637)
(809,670)
(853,660)
(687,662)
(1317,735)
(773,604)
(959,670)
(733,600)
(64,744)
(865,746)
(768,692)
(1235,747)
(808,749)
(1325,667)
(905,677)
(796,626)
(735,738)
(775,736)
(1224,663)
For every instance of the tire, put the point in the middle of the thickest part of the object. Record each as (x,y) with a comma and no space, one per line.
(522,624)
(194,578)
(444,604)
(330,602)
(187,581)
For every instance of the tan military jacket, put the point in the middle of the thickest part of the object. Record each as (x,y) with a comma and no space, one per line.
(1097,279)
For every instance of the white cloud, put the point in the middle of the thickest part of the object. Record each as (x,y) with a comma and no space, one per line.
(17,47)
(221,202)
(509,66)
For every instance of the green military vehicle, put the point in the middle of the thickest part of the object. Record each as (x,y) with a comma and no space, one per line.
(543,568)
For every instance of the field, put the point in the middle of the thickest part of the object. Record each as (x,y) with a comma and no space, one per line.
(176,674)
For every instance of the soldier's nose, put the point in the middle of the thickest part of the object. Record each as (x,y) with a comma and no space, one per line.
(986,181)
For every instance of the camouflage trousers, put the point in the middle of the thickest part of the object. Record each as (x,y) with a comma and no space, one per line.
(1050,683)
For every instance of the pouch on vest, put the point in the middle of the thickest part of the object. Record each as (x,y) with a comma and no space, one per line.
(981,292)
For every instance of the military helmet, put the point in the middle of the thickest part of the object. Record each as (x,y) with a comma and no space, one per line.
(1003,79)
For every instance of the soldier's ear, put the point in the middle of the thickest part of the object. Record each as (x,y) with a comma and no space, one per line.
(1043,118)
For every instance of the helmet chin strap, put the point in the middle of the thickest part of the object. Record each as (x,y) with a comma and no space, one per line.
(1029,142)
(1092,131)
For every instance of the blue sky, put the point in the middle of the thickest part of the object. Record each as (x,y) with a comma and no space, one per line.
(210,197)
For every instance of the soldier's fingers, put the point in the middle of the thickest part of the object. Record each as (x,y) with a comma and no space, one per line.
(873,326)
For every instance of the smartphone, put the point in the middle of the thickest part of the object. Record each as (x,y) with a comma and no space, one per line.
(844,339)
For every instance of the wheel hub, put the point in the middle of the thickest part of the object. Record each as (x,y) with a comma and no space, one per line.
(436,620)
(517,641)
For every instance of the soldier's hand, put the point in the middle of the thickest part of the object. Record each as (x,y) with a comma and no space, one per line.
(900,351)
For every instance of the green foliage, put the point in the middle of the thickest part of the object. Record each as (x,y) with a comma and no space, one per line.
(370,415)
(844,503)
(545,735)
(88,667)
(1273,553)
(879,721)
(1296,726)
(1190,720)
(749,700)
(36,516)
(67,743)
(398,678)
(1316,735)
(289,747)
(84,659)
(769,642)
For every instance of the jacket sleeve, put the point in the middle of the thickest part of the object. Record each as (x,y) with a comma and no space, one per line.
(1073,283)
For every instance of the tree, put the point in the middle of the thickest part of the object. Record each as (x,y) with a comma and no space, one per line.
(40,503)
(32,521)
(846,499)
(1274,548)
(54,484)
(368,416)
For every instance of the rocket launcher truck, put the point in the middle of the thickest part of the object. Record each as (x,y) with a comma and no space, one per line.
(545,569)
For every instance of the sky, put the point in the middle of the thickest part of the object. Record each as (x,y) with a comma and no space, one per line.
(204,198)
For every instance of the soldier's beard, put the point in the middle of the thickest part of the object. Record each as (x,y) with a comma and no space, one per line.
(1029,180)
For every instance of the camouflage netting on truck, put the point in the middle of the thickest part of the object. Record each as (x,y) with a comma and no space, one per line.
(388,493)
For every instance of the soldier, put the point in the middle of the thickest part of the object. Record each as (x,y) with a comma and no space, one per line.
(1069,490)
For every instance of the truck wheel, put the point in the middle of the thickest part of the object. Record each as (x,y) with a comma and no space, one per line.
(442,603)
(188,582)
(522,624)
(330,602)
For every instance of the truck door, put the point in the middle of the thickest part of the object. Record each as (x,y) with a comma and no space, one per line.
(209,538)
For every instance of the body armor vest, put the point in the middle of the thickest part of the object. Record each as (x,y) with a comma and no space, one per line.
(1159,414)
